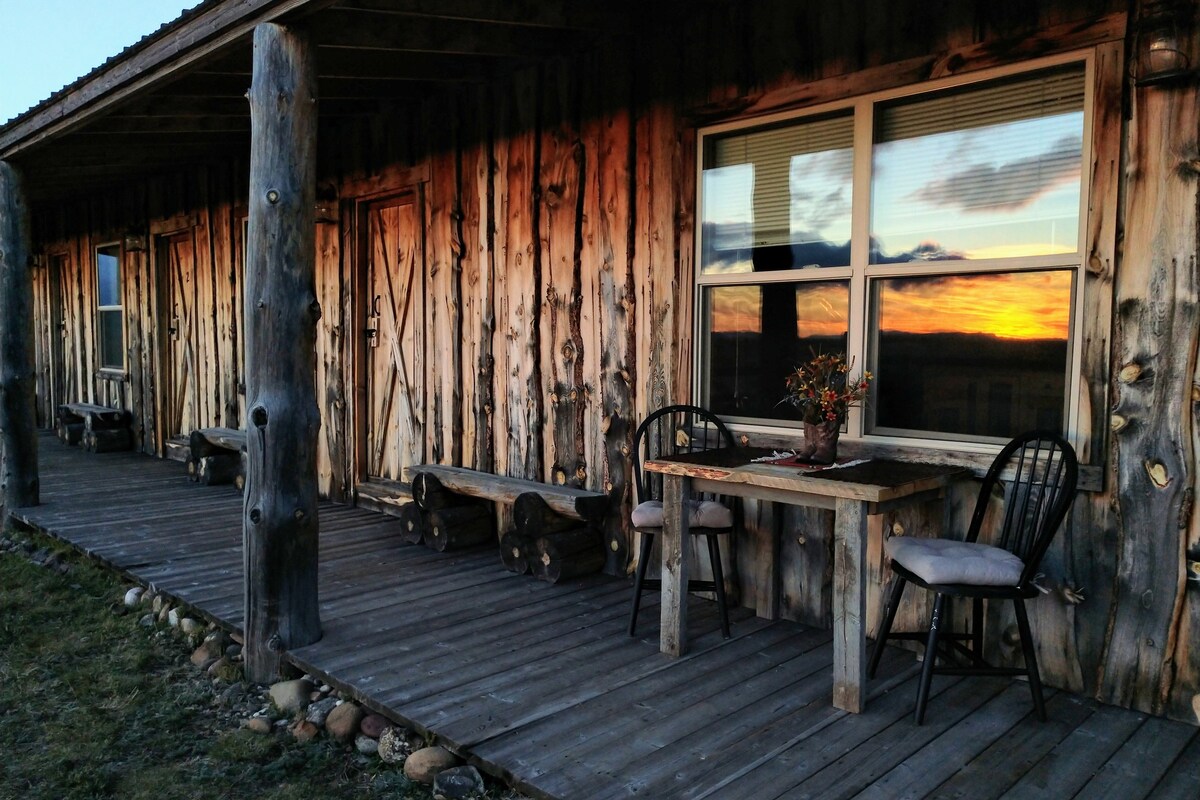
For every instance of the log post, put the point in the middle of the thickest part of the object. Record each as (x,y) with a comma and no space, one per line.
(280,530)
(18,423)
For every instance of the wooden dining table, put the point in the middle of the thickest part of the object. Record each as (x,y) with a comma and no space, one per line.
(853,491)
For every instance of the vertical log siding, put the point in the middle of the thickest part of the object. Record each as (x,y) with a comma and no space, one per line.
(558,213)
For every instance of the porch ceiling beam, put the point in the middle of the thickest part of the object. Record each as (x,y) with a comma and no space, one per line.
(390,32)
(139,127)
(569,14)
(167,54)
(206,84)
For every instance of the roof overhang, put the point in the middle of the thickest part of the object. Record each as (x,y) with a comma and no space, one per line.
(178,96)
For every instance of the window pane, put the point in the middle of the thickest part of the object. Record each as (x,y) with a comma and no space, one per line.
(112,340)
(753,336)
(980,173)
(108,275)
(778,198)
(979,355)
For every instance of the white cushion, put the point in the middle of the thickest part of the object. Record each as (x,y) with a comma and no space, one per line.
(701,514)
(949,561)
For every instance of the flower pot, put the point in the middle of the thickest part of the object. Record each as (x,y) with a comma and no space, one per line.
(820,442)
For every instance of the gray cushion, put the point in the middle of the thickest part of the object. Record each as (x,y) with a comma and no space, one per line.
(701,514)
(948,561)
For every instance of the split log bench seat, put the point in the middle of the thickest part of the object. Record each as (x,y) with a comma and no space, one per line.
(96,428)
(557,529)
(217,456)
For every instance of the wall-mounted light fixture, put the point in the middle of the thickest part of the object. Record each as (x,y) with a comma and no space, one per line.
(1163,36)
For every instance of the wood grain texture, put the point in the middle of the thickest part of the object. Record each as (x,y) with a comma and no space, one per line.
(486,154)
(18,415)
(534,684)
(280,510)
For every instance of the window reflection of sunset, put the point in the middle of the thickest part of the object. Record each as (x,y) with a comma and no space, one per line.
(1023,305)
(821,309)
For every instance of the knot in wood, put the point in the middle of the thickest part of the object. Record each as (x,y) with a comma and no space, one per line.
(897,529)
(275,643)
(272,196)
(255,515)
(1117,423)
(299,514)
(1158,474)
(1130,373)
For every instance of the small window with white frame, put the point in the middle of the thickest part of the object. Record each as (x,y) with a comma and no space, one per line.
(934,234)
(110,313)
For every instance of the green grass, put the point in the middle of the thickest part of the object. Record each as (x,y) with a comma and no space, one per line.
(94,706)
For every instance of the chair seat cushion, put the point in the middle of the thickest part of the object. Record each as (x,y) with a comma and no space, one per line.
(701,514)
(949,561)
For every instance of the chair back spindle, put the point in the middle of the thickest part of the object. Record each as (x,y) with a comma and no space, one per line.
(673,430)
(1037,473)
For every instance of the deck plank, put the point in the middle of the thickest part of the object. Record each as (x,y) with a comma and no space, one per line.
(540,684)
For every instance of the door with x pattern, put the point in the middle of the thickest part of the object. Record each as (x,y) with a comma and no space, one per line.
(394,302)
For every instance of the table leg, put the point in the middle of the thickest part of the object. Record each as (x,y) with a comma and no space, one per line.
(849,605)
(676,544)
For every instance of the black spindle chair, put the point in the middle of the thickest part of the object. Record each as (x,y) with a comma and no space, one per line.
(674,430)
(1036,473)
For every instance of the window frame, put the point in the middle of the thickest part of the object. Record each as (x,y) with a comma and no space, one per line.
(101,310)
(860,273)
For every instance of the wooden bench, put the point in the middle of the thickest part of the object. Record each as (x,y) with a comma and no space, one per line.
(557,529)
(98,429)
(217,456)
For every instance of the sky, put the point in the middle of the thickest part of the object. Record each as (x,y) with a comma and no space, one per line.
(50,43)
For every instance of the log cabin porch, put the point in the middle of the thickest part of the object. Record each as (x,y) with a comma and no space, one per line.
(545,690)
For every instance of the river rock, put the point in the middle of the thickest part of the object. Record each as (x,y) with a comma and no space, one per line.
(457,783)
(304,731)
(291,696)
(190,626)
(424,765)
(393,747)
(366,745)
(318,712)
(133,596)
(258,725)
(373,725)
(343,721)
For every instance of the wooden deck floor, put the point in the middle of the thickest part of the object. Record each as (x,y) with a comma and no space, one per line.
(539,685)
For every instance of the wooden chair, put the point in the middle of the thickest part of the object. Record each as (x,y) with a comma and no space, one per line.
(674,430)
(1036,474)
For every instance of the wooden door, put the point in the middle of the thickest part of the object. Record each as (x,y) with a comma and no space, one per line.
(61,390)
(394,302)
(176,267)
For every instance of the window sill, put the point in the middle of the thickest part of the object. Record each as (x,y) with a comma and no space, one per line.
(112,375)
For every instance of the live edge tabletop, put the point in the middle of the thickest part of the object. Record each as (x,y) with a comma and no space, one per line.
(854,490)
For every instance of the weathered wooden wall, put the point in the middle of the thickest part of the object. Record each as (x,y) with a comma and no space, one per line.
(205,207)
(558,206)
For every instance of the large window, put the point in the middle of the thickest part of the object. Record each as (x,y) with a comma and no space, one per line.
(934,236)
(109,312)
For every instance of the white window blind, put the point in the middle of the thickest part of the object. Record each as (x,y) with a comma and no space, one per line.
(770,153)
